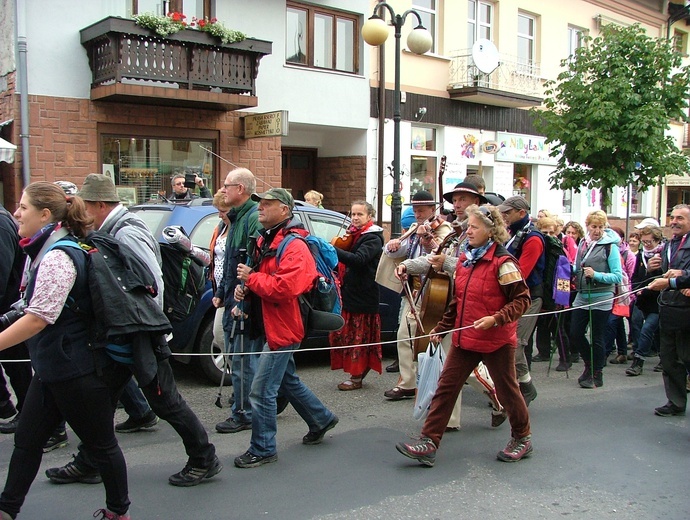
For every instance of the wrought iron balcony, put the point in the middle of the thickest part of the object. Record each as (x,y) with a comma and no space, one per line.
(191,68)
(513,83)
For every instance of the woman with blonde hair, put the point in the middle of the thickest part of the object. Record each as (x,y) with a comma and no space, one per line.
(597,270)
(215,269)
(314,198)
(490,296)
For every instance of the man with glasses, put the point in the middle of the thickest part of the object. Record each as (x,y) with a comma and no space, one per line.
(181,192)
(527,245)
(239,186)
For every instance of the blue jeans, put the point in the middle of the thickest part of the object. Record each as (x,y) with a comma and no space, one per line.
(649,336)
(243,370)
(133,400)
(615,336)
(636,321)
(276,371)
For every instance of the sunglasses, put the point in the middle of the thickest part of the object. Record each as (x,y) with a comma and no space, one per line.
(486,212)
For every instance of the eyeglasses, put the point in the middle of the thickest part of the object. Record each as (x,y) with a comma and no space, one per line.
(486,212)
(226,186)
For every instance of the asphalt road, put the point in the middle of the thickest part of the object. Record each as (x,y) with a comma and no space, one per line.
(597,454)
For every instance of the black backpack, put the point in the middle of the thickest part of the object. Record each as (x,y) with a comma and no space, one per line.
(184,282)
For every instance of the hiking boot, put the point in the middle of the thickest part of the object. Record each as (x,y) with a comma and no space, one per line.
(598,378)
(131,425)
(636,368)
(424,451)
(587,382)
(10,426)
(668,410)
(73,472)
(56,441)
(658,367)
(516,449)
(620,359)
(7,409)
(230,425)
(190,476)
(109,515)
(563,366)
(498,418)
(528,391)
(586,374)
(315,437)
(539,358)
(249,460)
(574,358)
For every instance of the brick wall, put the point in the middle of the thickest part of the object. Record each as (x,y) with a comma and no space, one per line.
(64,137)
(341,180)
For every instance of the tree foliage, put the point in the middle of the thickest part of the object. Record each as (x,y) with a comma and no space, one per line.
(607,113)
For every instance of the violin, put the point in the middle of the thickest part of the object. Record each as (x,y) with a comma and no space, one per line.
(344,242)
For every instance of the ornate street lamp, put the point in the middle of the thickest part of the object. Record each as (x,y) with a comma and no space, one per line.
(375,32)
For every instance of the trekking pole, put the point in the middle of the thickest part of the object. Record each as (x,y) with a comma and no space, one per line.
(240,410)
(219,397)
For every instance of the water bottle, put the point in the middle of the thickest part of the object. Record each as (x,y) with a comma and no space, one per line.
(322,285)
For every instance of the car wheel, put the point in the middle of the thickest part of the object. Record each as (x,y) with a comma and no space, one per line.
(212,362)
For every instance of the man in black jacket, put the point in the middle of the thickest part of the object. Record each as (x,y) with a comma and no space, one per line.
(102,204)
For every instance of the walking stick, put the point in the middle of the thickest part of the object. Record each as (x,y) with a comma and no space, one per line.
(219,397)
(240,410)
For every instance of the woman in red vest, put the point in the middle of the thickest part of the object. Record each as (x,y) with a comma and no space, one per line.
(490,296)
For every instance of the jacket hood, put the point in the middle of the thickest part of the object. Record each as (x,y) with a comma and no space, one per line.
(374,229)
(610,237)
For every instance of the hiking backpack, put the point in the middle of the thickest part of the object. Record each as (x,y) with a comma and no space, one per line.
(557,271)
(184,282)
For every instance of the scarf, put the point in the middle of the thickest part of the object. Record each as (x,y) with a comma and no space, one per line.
(355,232)
(474,254)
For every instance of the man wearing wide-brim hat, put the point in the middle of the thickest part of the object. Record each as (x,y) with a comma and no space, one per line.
(463,195)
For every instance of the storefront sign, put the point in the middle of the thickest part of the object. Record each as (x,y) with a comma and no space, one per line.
(677,180)
(520,148)
(270,124)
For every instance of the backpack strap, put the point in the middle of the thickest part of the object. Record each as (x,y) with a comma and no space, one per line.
(289,237)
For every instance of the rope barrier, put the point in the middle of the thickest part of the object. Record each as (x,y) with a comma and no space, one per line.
(393,341)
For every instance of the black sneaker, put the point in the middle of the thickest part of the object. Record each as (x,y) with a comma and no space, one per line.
(7,409)
(668,410)
(230,425)
(73,472)
(10,426)
(528,391)
(658,367)
(190,476)
(563,366)
(424,451)
(539,358)
(56,441)
(249,460)
(317,436)
(131,425)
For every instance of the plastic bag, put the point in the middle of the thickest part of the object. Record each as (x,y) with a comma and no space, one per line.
(429,368)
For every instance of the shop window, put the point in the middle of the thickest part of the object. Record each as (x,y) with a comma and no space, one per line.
(423,175)
(522,181)
(321,38)
(143,167)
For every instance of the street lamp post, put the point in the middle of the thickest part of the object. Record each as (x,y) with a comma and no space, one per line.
(375,32)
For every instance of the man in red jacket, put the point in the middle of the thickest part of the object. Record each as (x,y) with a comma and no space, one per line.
(278,284)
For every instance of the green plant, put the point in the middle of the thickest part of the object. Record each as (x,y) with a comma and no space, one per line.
(217,29)
(162,25)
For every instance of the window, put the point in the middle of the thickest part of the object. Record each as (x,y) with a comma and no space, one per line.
(427,11)
(423,160)
(680,41)
(479,21)
(321,38)
(197,8)
(575,35)
(527,30)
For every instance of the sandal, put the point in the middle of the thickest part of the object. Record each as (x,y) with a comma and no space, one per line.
(348,385)
(397,393)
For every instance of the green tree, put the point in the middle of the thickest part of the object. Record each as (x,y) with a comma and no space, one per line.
(606,113)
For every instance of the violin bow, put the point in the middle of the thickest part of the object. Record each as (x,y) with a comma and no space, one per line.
(413,309)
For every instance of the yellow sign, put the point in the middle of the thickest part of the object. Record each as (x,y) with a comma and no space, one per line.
(270,124)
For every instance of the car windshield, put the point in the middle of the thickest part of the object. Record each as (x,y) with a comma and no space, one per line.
(154,218)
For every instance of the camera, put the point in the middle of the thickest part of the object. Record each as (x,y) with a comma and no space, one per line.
(189,180)
(15,312)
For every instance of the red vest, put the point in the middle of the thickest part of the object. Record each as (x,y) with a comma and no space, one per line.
(479,294)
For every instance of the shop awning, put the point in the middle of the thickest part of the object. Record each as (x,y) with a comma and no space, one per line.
(7,151)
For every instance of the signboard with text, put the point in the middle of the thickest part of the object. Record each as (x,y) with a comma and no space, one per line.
(519,148)
(270,124)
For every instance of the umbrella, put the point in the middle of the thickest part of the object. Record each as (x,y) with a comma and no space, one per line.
(7,151)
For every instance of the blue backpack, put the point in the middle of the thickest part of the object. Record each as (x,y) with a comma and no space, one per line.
(325,293)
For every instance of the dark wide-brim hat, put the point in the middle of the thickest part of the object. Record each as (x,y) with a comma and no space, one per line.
(422,198)
(98,188)
(465,187)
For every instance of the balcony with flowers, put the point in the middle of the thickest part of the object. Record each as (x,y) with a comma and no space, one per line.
(167,61)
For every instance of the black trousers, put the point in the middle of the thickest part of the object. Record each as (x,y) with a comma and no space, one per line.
(167,403)
(19,374)
(675,360)
(86,404)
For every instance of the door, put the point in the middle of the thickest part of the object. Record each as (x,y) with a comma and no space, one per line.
(299,170)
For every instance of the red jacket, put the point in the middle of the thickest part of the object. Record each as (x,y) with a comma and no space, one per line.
(479,293)
(278,287)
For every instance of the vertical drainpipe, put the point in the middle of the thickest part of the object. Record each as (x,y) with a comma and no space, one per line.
(381,132)
(20,38)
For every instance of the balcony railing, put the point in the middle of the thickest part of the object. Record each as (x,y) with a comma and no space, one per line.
(511,76)
(122,52)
